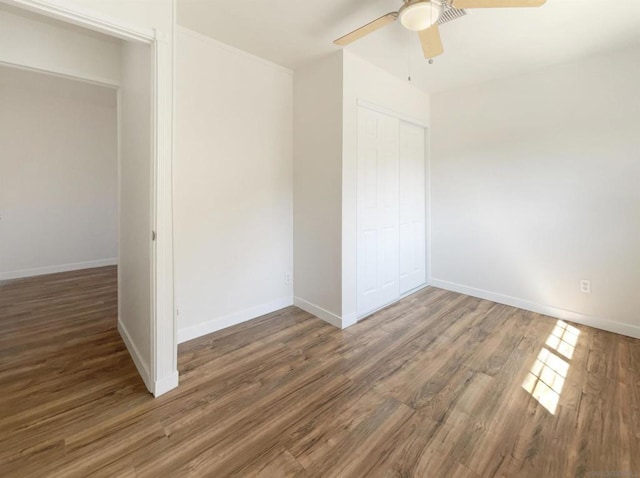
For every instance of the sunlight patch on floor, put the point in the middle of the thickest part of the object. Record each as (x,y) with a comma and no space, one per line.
(563,339)
(547,375)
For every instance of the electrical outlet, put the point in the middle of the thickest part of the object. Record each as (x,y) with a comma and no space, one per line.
(287,278)
(585,286)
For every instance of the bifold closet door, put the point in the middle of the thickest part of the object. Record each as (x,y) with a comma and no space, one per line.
(412,206)
(378,203)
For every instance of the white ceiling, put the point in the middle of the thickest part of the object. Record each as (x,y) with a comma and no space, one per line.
(485,45)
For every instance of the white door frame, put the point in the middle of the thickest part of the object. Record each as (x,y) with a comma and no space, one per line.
(163,373)
(386,111)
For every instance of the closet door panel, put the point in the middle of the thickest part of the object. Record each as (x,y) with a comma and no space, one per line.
(412,206)
(378,203)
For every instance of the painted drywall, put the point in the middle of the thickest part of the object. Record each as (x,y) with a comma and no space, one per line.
(366,82)
(318,187)
(233,185)
(58,174)
(136,223)
(40,43)
(535,187)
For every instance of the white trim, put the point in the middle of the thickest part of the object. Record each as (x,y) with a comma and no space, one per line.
(164,345)
(596,322)
(66,74)
(319,312)
(403,296)
(232,49)
(153,195)
(427,185)
(138,360)
(119,140)
(76,266)
(157,387)
(209,326)
(85,18)
(349,320)
(389,112)
(167,383)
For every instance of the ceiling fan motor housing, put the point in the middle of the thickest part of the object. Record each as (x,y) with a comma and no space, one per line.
(417,15)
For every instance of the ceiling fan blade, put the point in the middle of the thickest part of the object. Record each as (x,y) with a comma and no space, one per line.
(431,42)
(497,3)
(368,28)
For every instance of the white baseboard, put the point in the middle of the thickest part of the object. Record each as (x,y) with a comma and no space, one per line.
(55,269)
(349,320)
(319,312)
(596,322)
(138,360)
(163,385)
(209,326)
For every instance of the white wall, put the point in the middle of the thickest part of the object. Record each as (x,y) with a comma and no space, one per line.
(136,213)
(364,81)
(58,174)
(535,186)
(318,187)
(233,185)
(40,43)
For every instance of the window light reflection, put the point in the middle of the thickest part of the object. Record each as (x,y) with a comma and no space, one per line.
(546,377)
(563,339)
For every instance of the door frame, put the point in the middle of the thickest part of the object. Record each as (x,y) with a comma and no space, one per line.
(162,374)
(427,182)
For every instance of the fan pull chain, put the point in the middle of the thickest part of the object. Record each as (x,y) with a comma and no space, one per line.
(409,54)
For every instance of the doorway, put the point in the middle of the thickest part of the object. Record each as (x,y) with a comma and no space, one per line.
(391,209)
(145,295)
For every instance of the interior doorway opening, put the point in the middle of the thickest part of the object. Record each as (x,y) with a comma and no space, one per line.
(120,67)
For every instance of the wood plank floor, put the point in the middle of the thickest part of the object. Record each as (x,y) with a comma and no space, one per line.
(438,385)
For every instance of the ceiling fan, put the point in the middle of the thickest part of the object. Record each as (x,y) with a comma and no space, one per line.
(422,16)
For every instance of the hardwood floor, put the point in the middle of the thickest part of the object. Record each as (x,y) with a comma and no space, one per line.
(434,386)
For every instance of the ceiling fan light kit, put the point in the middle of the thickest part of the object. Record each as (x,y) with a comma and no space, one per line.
(422,16)
(417,15)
